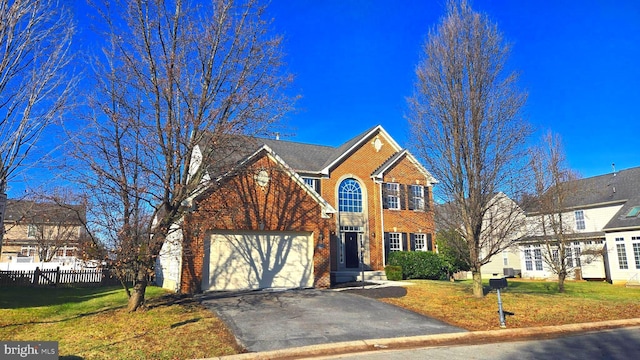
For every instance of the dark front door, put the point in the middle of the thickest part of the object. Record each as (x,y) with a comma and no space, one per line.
(351,249)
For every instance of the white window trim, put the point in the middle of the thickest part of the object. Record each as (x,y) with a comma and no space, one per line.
(423,239)
(581,223)
(418,199)
(399,247)
(393,192)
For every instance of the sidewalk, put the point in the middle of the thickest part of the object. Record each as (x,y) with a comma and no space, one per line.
(465,338)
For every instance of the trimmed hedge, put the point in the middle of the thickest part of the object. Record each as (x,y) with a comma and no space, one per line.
(394,273)
(419,265)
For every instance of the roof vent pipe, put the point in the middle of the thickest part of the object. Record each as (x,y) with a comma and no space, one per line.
(613,166)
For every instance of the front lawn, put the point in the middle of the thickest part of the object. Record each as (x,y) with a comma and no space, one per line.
(92,323)
(535,303)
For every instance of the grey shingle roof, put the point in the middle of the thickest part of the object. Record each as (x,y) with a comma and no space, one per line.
(303,158)
(621,187)
(32,212)
(621,220)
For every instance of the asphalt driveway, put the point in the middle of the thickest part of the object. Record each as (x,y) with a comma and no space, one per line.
(272,320)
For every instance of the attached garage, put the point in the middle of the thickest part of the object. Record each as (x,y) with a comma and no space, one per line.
(257,260)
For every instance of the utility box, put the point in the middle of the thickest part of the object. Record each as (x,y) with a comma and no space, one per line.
(498,283)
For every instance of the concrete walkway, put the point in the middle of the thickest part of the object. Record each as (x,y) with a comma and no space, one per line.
(275,320)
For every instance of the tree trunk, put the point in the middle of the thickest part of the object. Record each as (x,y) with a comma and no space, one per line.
(137,297)
(478,291)
(561,277)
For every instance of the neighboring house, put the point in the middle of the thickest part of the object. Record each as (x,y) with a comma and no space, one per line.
(300,215)
(502,228)
(41,232)
(603,215)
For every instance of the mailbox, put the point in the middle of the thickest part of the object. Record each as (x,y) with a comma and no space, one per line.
(499,283)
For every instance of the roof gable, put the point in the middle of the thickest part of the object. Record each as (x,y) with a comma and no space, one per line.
(265,150)
(397,157)
(350,146)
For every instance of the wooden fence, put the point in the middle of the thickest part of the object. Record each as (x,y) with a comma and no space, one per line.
(57,277)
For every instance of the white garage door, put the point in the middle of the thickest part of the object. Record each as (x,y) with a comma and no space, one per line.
(251,260)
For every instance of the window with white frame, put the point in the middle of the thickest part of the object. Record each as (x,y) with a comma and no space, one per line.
(537,254)
(392,196)
(555,256)
(579,215)
(312,183)
(395,242)
(505,258)
(350,196)
(622,254)
(577,252)
(28,251)
(32,230)
(635,240)
(417,197)
(65,251)
(420,242)
(528,260)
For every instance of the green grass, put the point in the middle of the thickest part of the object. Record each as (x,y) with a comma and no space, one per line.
(535,303)
(92,323)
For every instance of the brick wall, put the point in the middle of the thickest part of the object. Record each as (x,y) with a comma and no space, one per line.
(361,164)
(240,203)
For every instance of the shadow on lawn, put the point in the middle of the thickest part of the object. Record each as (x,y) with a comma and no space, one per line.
(22,297)
(65,319)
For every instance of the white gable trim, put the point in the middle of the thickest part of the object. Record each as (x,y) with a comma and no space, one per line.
(359,143)
(326,207)
(413,160)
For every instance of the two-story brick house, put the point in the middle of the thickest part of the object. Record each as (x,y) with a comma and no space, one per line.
(302,215)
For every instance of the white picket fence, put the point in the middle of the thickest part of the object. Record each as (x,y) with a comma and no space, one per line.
(67,264)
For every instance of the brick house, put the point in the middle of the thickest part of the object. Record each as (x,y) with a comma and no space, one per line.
(299,215)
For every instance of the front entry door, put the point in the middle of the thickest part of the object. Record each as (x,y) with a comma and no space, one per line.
(351,249)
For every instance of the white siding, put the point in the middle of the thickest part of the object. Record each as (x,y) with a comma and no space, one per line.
(622,276)
(595,219)
(169,261)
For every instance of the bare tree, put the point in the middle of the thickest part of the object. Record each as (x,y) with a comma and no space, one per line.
(35,38)
(175,81)
(465,120)
(550,225)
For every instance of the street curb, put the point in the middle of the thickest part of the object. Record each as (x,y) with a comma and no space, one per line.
(462,338)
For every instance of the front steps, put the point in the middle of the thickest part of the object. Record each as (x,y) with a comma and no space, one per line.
(344,276)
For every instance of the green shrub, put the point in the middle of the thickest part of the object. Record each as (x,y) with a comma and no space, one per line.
(419,265)
(394,273)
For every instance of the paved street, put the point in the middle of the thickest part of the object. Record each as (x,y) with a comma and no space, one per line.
(609,344)
(265,321)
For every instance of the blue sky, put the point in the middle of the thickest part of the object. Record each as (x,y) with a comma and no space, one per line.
(354,62)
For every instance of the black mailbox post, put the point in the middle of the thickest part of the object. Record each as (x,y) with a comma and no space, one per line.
(499,283)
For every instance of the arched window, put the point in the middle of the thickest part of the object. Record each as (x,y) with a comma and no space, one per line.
(350,196)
